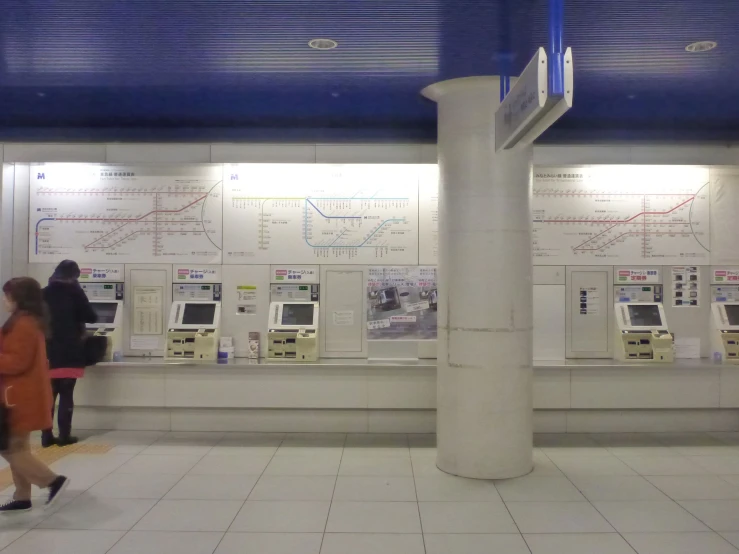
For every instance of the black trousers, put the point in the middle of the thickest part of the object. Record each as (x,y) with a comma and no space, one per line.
(64,389)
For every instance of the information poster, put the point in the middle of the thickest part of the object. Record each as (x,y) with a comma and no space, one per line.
(685,286)
(401,303)
(589,301)
(147,310)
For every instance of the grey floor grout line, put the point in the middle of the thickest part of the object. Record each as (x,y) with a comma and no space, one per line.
(589,502)
(331,503)
(415,488)
(250,492)
(125,534)
(202,456)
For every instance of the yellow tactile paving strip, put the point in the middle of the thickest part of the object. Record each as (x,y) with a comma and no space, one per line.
(54,454)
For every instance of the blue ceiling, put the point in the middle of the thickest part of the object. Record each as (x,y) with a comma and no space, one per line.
(241,69)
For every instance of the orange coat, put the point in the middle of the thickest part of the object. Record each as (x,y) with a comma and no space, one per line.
(24,377)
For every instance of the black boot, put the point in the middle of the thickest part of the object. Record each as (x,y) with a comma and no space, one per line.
(47,439)
(66,440)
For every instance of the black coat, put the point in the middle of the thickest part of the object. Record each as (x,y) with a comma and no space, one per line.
(69,310)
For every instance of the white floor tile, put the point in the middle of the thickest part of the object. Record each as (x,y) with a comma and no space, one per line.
(281,517)
(391,489)
(536,488)
(465,517)
(190,515)
(64,542)
(157,449)
(303,465)
(718,465)
(213,487)
(679,543)
(237,464)
(157,542)
(733,538)
(663,465)
(423,466)
(310,451)
(576,466)
(719,515)
(617,487)
(9,536)
(129,485)
(293,488)
(443,487)
(543,465)
(695,487)
(270,543)
(376,467)
(99,514)
(587,543)
(557,517)
(374,517)
(152,465)
(378,452)
(646,516)
(475,544)
(374,543)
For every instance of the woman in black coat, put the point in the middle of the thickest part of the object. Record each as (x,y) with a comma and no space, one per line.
(69,311)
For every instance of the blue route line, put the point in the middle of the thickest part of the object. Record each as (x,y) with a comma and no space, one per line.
(39,223)
(363,243)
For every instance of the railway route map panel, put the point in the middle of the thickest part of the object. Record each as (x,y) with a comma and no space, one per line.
(315,213)
(104,213)
(428,198)
(607,215)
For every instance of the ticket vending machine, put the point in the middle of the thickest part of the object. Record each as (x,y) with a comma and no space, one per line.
(642,334)
(725,314)
(293,331)
(106,299)
(194,323)
(725,331)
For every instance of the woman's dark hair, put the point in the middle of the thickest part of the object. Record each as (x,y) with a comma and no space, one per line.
(67,272)
(28,298)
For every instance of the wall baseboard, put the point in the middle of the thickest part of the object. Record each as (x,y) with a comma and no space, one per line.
(392,421)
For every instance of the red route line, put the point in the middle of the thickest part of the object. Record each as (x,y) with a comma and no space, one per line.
(136,233)
(628,233)
(131,220)
(617,221)
(539,193)
(114,193)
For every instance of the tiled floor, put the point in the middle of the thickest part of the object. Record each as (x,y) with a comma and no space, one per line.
(206,493)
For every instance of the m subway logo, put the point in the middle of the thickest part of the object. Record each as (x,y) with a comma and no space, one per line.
(41,176)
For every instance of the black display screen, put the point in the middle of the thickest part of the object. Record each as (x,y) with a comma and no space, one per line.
(297,314)
(198,314)
(105,311)
(644,315)
(732,313)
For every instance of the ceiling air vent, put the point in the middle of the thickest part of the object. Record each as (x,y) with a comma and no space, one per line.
(323,44)
(702,46)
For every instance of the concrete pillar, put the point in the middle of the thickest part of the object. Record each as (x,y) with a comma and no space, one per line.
(484,402)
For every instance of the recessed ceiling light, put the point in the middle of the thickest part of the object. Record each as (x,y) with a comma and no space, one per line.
(323,44)
(702,46)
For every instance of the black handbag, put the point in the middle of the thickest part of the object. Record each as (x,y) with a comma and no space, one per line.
(95,348)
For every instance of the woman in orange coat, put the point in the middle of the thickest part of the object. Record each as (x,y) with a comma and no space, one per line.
(25,389)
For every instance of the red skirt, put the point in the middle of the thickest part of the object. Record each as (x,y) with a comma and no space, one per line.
(67,373)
